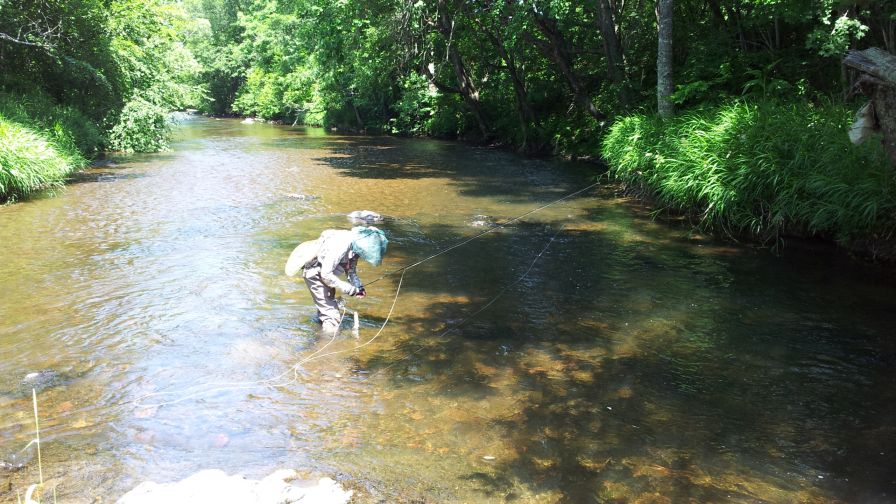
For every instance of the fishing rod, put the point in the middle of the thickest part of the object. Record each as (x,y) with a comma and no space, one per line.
(273,381)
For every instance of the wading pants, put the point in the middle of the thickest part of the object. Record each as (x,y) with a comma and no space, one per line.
(325,300)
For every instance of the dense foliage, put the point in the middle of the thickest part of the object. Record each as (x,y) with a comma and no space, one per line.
(523,73)
(740,168)
(80,76)
(541,76)
(40,143)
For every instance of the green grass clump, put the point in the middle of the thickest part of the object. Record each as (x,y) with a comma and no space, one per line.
(763,169)
(65,124)
(32,160)
(41,143)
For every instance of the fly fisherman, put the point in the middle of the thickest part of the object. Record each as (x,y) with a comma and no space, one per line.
(338,255)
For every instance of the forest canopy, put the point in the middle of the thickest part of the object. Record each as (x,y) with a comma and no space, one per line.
(535,74)
(586,78)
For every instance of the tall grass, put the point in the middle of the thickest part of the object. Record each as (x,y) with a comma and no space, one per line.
(40,144)
(30,160)
(64,124)
(762,169)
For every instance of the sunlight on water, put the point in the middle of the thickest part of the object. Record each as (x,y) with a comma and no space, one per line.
(634,362)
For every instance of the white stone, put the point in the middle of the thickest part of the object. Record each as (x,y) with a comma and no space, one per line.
(365,215)
(215,486)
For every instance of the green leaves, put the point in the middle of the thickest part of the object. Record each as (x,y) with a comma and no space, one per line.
(833,39)
(141,127)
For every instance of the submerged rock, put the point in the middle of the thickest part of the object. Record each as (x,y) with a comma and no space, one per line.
(17,461)
(214,485)
(40,381)
(366,216)
(482,221)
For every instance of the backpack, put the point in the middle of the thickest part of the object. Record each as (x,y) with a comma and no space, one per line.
(302,255)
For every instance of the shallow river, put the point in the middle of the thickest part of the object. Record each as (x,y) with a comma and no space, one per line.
(627,360)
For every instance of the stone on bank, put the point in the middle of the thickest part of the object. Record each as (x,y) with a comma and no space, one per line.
(215,486)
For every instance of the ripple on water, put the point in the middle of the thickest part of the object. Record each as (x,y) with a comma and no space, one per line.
(631,363)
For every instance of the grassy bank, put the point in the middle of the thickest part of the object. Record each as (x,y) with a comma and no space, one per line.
(41,143)
(762,169)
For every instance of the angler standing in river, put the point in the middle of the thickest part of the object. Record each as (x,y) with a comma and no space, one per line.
(337,254)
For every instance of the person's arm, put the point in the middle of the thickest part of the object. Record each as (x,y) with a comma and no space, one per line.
(352,274)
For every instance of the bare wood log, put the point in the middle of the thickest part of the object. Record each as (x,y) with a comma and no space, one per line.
(875,62)
(879,84)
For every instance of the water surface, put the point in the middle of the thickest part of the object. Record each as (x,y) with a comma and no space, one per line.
(627,360)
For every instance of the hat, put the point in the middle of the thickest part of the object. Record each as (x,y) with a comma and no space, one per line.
(369,243)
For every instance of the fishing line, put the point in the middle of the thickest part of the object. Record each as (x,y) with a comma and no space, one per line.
(487,231)
(507,287)
(221,386)
(452,328)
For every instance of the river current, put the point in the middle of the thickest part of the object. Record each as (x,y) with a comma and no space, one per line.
(585,353)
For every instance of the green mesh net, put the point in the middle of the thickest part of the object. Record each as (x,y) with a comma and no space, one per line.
(369,243)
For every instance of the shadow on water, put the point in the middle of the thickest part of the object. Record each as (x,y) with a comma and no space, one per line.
(660,374)
(477,171)
(633,363)
(95,175)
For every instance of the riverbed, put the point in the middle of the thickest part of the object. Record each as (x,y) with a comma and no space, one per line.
(586,352)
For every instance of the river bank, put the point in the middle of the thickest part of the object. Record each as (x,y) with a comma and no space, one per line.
(763,170)
(768,209)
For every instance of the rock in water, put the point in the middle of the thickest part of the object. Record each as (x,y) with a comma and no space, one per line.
(40,381)
(17,461)
(365,216)
(214,485)
(482,221)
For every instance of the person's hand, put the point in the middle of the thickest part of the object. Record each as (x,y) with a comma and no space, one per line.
(360,292)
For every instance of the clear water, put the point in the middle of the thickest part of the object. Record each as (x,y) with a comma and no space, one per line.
(634,362)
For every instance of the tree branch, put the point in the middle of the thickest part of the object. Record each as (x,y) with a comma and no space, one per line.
(14,40)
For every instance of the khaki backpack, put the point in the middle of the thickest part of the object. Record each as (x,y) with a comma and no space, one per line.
(302,255)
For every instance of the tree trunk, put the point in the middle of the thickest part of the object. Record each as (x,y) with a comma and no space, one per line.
(879,84)
(612,49)
(494,34)
(523,108)
(556,50)
(884,100)
(464,81)
(358,120)
(664,83)
(717,16)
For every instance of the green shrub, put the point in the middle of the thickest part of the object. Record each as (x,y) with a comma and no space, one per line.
(141,127)
(31,160)
(759,168)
